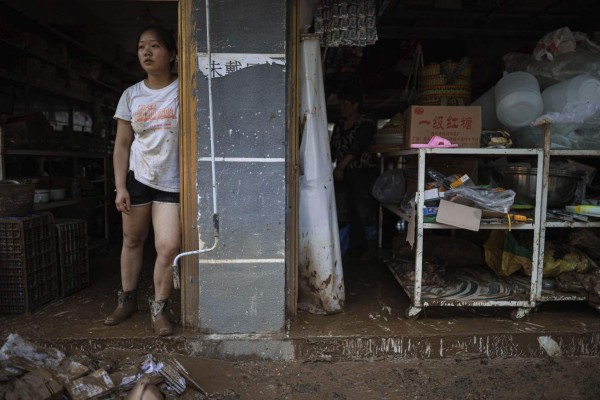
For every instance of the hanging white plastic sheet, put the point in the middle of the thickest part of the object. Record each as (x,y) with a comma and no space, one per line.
(321,277)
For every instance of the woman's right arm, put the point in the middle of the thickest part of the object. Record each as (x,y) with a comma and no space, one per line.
(121,164)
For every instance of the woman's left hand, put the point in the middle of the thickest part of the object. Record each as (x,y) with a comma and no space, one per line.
(338,173)
(122,201)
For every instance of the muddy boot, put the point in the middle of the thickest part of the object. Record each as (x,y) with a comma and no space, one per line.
(159,311)
(127,305)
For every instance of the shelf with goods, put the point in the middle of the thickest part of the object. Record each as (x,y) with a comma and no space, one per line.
(421,296)
(59,85)
(82,67)
(72,72)
(547,294)
(64,44)
(69,170)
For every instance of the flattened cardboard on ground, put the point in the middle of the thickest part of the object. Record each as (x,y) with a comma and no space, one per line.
(458,215)
(460,125)
(22,354)
(38,384)
(90,386)
(25,355)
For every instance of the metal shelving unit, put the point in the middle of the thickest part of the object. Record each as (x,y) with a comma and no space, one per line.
(16,42)
(522,302)
(76,157)
(547,295)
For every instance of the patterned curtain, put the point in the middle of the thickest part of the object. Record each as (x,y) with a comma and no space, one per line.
(346,23)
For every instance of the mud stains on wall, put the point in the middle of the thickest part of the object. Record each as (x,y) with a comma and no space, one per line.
(242,282)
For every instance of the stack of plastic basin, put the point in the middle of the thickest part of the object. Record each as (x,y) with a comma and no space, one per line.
(518,99)
(580,89)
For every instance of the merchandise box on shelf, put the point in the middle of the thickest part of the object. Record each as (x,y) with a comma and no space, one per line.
(460,125)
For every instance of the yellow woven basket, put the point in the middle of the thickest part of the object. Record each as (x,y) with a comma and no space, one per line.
(436,69)
(440,80)
(450,94)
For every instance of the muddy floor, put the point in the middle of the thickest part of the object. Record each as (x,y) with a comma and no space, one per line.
(473,378)
(375,305)
(440,379)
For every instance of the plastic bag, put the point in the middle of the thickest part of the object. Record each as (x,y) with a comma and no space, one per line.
(563,67)
(486,199)
(555,43)
(575,114)
(504,255)
(560,258)
(389,187)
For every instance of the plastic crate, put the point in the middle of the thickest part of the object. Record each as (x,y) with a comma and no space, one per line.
(73,262)
(28,272)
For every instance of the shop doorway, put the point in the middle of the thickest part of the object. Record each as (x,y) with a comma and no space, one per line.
(67,63)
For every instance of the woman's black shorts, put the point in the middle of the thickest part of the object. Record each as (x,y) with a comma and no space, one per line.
(140,194)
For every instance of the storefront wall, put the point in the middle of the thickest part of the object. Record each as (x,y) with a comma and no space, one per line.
(242,282)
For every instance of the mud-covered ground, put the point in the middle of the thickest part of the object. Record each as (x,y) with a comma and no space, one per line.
(438,379)
(368,293)
(472,378)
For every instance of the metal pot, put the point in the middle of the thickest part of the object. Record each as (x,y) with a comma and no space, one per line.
(562,185)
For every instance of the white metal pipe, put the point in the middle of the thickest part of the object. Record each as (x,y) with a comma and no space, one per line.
(210,110)
(212,160)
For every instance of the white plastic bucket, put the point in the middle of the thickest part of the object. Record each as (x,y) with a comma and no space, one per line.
(518,99)
(487,102)
(580,89)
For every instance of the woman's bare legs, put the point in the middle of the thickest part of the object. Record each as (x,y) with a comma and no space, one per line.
(135,231)
(167,239)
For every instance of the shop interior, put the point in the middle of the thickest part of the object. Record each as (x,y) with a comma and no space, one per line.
(459,51)
(66,63)
(64,66)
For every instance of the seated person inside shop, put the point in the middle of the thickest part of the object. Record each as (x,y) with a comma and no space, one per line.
(355,171)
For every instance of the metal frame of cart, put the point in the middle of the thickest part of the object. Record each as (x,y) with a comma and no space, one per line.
(418,302)
(546,295)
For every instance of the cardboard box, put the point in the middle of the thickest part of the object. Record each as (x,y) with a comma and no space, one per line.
(458,215)
(460,125)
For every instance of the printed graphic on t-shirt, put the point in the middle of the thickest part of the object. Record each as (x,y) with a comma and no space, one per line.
(149,117)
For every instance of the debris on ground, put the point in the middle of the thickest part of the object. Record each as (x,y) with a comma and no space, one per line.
(92,385)
(145,389)
(29,371)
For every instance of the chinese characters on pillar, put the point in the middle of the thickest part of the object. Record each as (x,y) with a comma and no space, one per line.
(223,64)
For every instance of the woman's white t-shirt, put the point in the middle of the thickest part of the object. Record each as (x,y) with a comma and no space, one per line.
(154,117)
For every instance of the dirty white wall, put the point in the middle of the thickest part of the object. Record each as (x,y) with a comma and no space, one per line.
(242,282)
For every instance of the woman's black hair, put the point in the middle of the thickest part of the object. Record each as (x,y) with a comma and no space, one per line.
(353,95)
(164,36)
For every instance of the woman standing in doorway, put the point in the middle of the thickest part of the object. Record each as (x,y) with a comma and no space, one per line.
(355,171)
(146,164)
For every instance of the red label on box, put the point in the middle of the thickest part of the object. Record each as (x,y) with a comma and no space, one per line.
(460,125)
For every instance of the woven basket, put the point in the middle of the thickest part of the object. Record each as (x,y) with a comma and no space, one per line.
(440,80)
(435,70)
(448,94)
(435,86)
